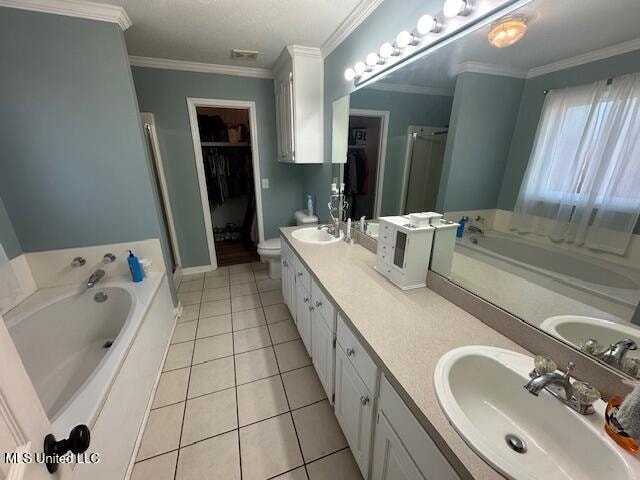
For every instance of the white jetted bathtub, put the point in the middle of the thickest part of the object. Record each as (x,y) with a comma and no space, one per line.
(611,281)
(72,344)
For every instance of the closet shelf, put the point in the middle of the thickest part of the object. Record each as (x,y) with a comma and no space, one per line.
(224,144)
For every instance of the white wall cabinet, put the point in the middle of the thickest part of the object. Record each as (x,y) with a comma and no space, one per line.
(299,96)
(354,410)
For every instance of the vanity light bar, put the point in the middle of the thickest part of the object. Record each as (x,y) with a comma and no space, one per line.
(427,24)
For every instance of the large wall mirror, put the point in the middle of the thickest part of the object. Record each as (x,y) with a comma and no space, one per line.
(535,148)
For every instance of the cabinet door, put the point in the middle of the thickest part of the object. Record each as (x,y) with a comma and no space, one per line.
(289,115)
(322,352)
(303,316)
(391,461)
(288,287)
(354,410)
(399,248)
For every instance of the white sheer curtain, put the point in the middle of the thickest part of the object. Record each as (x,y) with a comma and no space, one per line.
(9,286)
(582,183)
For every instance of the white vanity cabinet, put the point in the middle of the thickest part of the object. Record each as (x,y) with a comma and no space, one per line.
(298,87)
(303,318)
(323,327)
(288,264)
(402,450)
(355,383)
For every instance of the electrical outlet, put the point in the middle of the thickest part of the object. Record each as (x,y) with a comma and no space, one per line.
(265,183)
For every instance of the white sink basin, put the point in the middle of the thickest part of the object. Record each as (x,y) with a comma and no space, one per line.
(576,329)
(481,392)
(313,235)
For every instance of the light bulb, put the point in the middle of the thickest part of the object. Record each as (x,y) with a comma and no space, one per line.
(360,68)
(349,74)
(386,50)
(372,59)
(404,39)
(453,8)
(427,24)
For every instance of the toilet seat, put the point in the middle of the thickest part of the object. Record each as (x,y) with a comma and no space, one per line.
(270,244)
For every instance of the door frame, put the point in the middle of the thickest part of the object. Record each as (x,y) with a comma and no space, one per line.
(149,123)
(383,115)
(411,130)
(192,104)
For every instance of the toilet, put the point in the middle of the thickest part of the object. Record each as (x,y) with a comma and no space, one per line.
(269,250)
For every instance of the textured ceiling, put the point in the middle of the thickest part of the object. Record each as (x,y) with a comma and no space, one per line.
(557,30)
(207,30)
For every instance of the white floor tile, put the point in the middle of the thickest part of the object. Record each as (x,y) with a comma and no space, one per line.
(217,458)
(208,416)
(261,399)
(211,377)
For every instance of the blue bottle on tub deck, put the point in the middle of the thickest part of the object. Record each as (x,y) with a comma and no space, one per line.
(460,231)
(134,266)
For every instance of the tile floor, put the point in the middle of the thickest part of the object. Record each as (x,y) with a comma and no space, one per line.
(238,397)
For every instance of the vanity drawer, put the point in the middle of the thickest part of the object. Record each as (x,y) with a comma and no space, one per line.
(357,355)
(323,306)
(385,253)
(303,278)
(385,234)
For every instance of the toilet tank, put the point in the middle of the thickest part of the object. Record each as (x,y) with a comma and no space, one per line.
(302,218)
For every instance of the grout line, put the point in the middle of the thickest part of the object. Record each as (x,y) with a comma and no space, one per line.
(235,387)
(184,411)
(289,406)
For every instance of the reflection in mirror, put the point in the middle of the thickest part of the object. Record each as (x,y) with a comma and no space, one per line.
(533,147)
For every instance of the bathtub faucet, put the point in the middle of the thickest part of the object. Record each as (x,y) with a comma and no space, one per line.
(95,278)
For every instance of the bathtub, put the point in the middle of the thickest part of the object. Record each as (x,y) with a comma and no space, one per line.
(73,346)
(610,281)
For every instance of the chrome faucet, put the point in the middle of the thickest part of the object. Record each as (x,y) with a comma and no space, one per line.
(331,229)
(560,387)
(95,278)
(614,355)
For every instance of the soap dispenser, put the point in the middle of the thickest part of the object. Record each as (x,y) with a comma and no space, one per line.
(134,267)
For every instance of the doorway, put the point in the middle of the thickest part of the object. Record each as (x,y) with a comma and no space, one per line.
(424,158)
(224,136)
(363,173)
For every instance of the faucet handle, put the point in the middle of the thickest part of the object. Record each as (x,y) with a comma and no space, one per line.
(108,258)
(542,365)
(78,262)
(585,393)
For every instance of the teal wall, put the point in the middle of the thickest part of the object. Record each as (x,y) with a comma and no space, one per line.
(8,238)
(404,109)
(531,108)
(164,93)
(75,170)
(485,108)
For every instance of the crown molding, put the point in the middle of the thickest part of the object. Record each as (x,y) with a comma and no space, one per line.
(490,69)
(355,18)
(392,87)
(74,8)
(589,57)
(169,64)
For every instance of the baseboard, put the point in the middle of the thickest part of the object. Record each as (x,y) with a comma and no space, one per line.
(194,270)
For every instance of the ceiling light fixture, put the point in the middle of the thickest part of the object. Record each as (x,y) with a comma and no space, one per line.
(507,31)
(453,8)
(427,24)
(349,74)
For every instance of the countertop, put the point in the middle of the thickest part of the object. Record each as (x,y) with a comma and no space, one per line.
(406,332)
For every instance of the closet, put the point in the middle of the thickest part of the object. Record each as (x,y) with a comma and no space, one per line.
(361,168)
(225,139)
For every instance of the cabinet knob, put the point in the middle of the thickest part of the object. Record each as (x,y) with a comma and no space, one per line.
(284,262)
(318,304)
(364,400)
(299,274)
(350,352)
(306,299)
(311,308)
